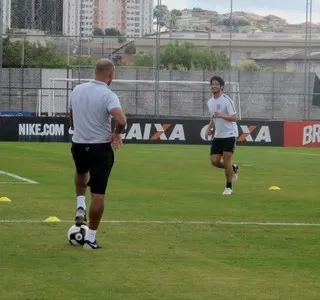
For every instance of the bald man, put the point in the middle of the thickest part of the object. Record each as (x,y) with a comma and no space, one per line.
(91,107)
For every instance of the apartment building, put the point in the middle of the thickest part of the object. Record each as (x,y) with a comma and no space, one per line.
(130,17)
(138,17)
(78,17)
(108,14)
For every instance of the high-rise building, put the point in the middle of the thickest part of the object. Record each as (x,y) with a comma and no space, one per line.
(129,17)
(43,15)
(138,17)
(108,14)
(6,15)
(78,17)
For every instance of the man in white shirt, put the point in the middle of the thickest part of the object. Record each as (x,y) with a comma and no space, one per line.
(223,124)
(92,106)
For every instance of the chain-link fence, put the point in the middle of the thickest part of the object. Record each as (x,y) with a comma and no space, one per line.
(269,55)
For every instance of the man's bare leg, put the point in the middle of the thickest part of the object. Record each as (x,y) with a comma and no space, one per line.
(96,211)
(95,215)
(216,161)
(227,159)
(80,182)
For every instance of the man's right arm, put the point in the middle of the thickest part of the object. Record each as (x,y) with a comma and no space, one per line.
(115,110)
(120,118)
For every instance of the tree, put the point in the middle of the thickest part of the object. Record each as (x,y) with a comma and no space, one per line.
(240,23)
(234,22)
(82,60)
(175,14)
(162,13)
(130,49)
(31,55)
(169,58)
(112,32)
(98,32)
(249,66)
(188,56)
(143,60)
(210,61)
(116,33)
(214,21)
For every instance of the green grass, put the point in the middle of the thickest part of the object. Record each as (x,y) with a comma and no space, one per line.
(163,261)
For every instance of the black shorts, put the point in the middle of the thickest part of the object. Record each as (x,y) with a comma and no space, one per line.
(98,160)
(220,145)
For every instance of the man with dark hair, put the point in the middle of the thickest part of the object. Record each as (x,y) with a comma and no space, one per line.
(223,123)
(92,106)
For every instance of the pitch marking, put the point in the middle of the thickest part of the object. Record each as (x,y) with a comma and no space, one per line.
(13,182)
(294,153)
(29,181)
(180,222)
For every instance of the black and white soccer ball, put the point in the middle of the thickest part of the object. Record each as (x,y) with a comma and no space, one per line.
(76,234)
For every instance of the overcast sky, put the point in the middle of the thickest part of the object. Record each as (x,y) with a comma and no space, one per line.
(294,11)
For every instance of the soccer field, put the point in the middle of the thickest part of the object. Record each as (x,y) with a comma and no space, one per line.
(193,242)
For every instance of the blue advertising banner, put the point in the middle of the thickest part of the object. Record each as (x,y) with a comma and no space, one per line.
(15,114)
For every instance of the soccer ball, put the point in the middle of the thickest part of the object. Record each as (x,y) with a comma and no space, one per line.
(76,234)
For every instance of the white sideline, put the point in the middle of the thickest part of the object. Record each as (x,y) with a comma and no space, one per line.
(14,182)
(19,177)
(294,153)
(179,222)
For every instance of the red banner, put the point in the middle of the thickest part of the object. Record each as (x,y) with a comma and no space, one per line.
(302,133)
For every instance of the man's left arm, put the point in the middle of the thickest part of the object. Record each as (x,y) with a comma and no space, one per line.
(227,117)
(71,119)
(231,114)
(70,113)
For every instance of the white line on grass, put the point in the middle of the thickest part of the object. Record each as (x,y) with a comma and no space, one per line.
(14,182)
(29,181)
(269,224)
(180,222)
(294,153)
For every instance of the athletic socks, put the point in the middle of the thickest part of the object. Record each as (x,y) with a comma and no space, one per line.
(90,235)
(229,185)
(81,202)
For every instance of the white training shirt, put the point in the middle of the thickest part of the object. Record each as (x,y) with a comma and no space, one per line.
(91,103)
(225,105)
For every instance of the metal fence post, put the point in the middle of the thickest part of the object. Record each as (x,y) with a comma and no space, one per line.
(310,62)
(204,93)
(157,65)
(137,93)
(1,49)
(230,39)
(307,53)
(273,98)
